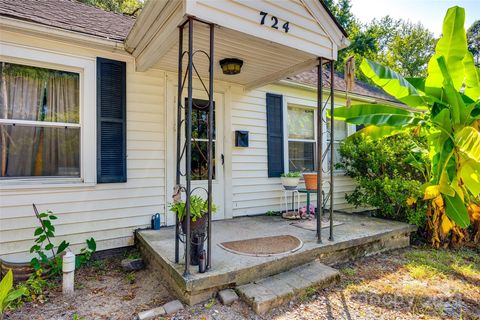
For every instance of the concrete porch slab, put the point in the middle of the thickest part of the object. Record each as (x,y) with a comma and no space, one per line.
(357,236)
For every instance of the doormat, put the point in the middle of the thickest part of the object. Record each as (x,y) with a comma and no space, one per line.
(312,224)
(265,246)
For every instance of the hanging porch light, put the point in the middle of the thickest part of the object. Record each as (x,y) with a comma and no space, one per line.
(231,66)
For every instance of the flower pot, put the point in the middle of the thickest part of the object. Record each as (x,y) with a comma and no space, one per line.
(197,237)
(290,183)
(310,180)
(196,227)
(21,268)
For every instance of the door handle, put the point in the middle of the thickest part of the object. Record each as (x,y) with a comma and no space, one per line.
(223,159)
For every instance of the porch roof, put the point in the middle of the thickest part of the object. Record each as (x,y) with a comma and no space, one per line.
(268,54)
(274,39)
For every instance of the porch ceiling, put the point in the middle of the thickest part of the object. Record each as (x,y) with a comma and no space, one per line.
(263,61)
(287,41)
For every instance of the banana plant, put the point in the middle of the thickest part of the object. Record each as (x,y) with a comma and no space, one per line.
(445,107)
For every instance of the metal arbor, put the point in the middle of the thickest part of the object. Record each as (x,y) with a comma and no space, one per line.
(184,148)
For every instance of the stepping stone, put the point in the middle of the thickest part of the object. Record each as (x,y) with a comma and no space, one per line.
(273,291)
(227,296)
(151,314)
(133,264)
(173,306)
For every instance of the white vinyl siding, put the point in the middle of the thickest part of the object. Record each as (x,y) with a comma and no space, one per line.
(252,191)
(107,212)
(111,212)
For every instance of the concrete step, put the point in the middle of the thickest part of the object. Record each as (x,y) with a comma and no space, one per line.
(273,291)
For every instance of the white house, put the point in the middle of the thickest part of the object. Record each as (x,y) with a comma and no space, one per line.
(88,111)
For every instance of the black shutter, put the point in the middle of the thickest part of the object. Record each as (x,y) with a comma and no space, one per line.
(275,134)
(111,121)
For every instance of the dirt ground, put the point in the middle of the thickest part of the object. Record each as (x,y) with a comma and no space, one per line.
(414,283)
(102,291)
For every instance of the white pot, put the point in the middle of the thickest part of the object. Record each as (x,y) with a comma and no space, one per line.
(290,183)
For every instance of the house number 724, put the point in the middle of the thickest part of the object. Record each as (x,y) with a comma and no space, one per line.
(274,21)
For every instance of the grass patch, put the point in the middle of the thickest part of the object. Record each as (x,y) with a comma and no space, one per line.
(309,292)
(422,272)
(428,263)
(348,271)
(209,305)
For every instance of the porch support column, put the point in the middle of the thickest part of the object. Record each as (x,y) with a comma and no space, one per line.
(188,149)
(179,136)
(210,146)
(332,143)
(319,148)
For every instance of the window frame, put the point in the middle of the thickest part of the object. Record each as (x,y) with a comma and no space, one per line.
(310,105)
(286,135)
(86,69)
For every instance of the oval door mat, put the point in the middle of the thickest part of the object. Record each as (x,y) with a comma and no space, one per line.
(265,246)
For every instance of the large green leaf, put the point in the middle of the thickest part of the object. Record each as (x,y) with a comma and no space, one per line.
(475,113)
(376,132)
(457,106)
(470,174)
(5,287)
(472,78)
(14,295)
(453,46)
(357,110)
(383,119)
(442,119)
(456,210)
(418,83)
(468,141)
(392,82)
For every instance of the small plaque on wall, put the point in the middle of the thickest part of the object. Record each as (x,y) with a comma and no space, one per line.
(241,138)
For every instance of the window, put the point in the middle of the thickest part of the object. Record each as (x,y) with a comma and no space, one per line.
(200,139)
(301,138)
(39,122)
(340,132)
(301,122)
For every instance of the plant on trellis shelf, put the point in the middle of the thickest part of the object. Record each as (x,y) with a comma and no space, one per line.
(445,108)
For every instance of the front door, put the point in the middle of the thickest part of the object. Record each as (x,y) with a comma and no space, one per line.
(199,150)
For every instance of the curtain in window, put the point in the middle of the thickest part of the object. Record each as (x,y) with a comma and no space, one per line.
(61,145)
(40,95)
(21,98)
(300,123)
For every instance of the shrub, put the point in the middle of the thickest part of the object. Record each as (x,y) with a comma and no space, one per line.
(389,173)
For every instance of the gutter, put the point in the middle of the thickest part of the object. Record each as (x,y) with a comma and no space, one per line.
(72,37)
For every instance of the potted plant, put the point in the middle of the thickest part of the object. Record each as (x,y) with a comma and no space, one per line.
(290,180)
(310,180)
(198,223)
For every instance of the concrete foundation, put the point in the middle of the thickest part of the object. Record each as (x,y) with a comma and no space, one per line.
(357,236)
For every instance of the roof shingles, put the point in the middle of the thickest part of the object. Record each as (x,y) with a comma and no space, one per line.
(309,78)
(69,15)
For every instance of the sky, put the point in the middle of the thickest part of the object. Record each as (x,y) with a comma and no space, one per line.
(429,12)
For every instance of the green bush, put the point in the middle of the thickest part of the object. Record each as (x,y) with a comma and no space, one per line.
(388,173)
